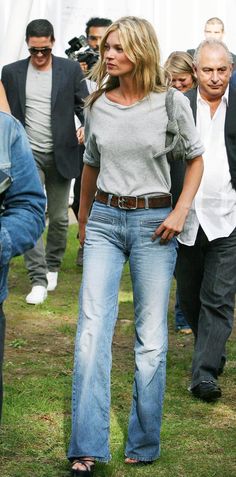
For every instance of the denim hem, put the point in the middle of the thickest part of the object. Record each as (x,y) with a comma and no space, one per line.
(104,460)
(142,459)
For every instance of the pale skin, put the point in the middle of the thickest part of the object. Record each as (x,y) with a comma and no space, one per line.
(182,81)
(118,64)
(213,71)
(39,61)
(214,31)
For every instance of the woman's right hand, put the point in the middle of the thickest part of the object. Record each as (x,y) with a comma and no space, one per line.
(87,194)
(81,233)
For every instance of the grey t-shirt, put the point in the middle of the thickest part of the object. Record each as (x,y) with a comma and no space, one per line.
(123,140)
(38,109)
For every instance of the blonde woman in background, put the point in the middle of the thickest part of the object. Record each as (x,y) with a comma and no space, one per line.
(179,65)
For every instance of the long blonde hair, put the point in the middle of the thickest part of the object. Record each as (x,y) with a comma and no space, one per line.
(139,42)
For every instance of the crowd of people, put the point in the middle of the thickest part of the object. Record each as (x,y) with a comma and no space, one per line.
(136,201)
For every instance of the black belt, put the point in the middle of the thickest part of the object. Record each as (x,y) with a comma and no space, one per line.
(130,203)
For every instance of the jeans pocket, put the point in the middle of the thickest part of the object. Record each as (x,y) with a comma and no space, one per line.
(100,218)
(147,229)
(101,225)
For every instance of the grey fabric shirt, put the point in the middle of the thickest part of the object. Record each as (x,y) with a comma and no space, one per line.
(123,140)
(38,109)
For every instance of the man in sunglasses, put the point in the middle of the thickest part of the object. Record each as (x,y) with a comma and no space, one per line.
(44,92)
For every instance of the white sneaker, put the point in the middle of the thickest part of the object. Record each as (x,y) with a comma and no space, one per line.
(52,280)
(37,295)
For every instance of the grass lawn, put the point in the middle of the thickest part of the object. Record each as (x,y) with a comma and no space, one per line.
(198,439)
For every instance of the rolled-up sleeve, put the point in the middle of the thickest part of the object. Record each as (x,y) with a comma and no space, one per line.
(91,154)
(183,114)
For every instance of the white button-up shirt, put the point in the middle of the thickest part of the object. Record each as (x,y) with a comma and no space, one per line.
(214,207)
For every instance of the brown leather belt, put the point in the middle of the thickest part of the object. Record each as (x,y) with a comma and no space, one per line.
(127,202)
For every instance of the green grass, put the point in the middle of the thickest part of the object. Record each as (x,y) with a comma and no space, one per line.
(198,439)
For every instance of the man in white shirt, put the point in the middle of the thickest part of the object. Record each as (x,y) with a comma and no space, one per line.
(206,266)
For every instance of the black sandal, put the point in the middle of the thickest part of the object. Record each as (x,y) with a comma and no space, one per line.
(88,465)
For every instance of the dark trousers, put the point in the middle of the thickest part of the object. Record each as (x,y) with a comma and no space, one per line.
(2,340)
(206,278)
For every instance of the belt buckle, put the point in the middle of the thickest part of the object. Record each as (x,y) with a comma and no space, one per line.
(122,200)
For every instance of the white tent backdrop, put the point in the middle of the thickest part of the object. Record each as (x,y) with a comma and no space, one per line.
(179,25)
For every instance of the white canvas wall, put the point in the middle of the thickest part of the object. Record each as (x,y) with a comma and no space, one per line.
(179,25)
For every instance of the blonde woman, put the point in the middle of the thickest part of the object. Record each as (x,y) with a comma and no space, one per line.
(179,65)
(131,220)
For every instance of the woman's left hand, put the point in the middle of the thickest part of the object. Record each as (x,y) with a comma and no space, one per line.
(172,225)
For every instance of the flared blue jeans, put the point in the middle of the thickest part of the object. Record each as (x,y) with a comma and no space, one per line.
(114,236)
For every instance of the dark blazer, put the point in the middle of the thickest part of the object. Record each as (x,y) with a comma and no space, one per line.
(230,127)
(68,91)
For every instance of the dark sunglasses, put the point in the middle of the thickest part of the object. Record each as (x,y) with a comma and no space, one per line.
(45,51)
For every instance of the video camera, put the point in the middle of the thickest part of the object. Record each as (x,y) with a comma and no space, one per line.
(80,51)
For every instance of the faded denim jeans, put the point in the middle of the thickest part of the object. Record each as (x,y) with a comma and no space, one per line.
(114,236)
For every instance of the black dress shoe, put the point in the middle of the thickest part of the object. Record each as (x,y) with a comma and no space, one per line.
(207,391)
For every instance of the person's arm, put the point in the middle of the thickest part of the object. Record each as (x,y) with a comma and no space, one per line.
(23,219)
(88,189)
(4,106)
(174,223)
(81,92)
(89,176)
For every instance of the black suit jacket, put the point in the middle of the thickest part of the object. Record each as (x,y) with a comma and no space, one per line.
(68,91)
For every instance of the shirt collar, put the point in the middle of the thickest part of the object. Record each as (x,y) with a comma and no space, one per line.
(225,97)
